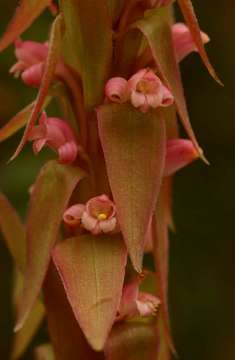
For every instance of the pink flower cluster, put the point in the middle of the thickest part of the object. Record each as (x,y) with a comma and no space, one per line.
(144,90)
(57,134)
(97,216)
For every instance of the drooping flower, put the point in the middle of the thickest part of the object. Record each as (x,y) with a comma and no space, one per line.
(31,57)
(183,40)
(97,216)
(136,303)
(180,153)
(58,135)
(147,91)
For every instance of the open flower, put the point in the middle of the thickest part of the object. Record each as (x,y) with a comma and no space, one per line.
(136,303)
(31,57)
(183,40)
(56,134)
(97,216)
(144,90)
(147,91)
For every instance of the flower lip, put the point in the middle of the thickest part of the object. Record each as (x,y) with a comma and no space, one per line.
(101,208)
(146,86)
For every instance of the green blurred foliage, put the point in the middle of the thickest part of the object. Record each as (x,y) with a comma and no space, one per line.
(202,291)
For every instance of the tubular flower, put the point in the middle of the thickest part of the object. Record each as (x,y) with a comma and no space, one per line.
(97,216)
(56,134)
(31,57)
(147,91)
(180,153)
(135,303)
(116,90)
(183,41)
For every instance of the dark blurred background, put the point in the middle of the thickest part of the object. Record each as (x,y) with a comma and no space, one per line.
(202,271)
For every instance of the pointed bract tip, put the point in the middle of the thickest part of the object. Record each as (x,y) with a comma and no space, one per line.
(202,157)
(18,326)
(97,343)
(137,261)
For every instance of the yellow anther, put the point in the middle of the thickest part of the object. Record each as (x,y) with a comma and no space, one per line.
(102,216)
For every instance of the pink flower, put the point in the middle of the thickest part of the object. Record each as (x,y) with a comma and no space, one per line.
(56,134)
(31,58)
(116,90)
(135,303)
(97,216)
(183,41)
(180,153)
(147,91)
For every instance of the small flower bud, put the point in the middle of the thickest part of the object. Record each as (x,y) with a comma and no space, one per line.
(72,216)
(116,90)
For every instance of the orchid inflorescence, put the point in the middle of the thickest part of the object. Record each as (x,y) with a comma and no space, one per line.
(113,66)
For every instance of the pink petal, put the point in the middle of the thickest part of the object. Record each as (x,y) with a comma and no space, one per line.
(130,294)
(167,97)
(31,52)
(147,304)
(154,100)
(63,126)
(88,222)
(138,99)
(133,81)
(183,40)
(108,225)
(33,75)
(68,153)
(101,204)
(180,152)
(38,145)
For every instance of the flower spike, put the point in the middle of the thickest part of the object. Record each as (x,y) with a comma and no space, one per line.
(58,135)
